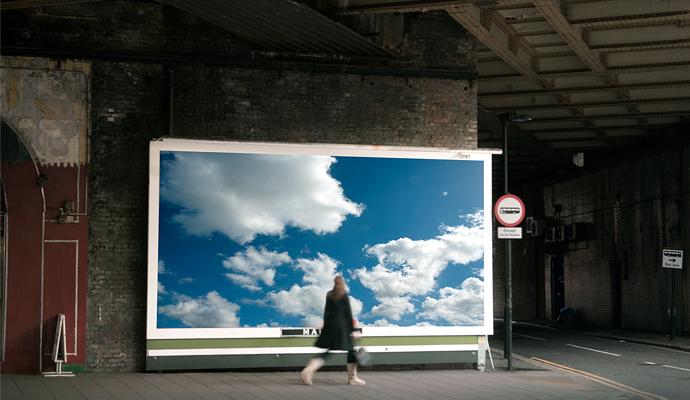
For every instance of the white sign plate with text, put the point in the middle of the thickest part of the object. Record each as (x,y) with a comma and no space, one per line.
(672,259)
(509,233)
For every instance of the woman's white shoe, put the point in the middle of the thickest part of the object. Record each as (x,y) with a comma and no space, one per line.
(352,377)
(308,372)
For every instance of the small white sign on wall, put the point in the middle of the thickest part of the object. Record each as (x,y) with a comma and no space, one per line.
(672,259)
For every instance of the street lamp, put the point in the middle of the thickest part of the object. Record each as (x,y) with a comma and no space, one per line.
(507,118)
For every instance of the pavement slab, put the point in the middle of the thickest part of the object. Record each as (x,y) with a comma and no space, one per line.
(525,382)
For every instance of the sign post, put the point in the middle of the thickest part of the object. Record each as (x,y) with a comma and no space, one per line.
(672,259)
(509,212)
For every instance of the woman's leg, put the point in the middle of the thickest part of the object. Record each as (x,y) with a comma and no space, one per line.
(314,364)
(352,377)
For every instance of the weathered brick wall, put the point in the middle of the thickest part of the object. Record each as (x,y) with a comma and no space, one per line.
(129,108)
(527,262)
(636,210)
(46,102)
(327,108)
(226,104)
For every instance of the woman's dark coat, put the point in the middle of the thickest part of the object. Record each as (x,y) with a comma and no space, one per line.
(337,324)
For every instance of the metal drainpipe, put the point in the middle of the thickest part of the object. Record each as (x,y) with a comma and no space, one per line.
(43,254)
(683,207)
(508,319)
(5,246)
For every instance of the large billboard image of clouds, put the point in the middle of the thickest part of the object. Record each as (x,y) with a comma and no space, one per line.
(254,240)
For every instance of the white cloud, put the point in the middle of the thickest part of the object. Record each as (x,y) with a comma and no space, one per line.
(210,311)
(185,280)
(251,266)
(383,322)
(161,289)
(464,306)
(244,195)
(409,267)
(318,271)
(308,301)
(255,302)
(444,194)
(393,308)
(161,268)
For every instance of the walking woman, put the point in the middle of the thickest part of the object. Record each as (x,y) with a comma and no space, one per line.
(338,328)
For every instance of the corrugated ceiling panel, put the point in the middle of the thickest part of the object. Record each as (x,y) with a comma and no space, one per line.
(281,25)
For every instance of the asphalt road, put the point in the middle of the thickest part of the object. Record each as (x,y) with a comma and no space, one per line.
(655,370)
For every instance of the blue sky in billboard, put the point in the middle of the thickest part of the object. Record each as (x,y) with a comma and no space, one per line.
(249,240)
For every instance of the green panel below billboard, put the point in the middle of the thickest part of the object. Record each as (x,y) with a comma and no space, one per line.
(164,344)
(297,361)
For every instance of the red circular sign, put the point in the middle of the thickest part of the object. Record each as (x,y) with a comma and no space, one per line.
(509,210)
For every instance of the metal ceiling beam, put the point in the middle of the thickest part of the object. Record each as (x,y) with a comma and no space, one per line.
(541,32)
(593,104)
(584,89)
(604,117)
(656,44)
(597,128)
(470,17)
(642,46)
(624,21)
(571,35)
(623,69)
(400,7)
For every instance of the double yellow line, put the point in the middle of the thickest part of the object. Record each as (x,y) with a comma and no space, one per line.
(602,380)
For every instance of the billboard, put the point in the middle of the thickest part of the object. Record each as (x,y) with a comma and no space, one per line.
(246,238)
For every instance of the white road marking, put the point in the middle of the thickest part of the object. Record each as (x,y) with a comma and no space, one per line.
(533,325)
(598,351)
(650,363)
(671,366)
(528,336)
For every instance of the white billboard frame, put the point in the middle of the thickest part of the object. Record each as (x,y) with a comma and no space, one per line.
(336,150)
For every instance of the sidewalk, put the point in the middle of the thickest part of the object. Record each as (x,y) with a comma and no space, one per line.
(653,339)
(527,382)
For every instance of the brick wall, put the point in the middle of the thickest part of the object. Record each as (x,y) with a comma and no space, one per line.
(636,210)
(527,263)
(215,103)
(328,108)
(129,108)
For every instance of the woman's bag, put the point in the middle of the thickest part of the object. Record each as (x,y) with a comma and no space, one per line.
(363,357)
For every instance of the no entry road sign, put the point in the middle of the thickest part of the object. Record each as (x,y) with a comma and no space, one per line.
(509,210)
